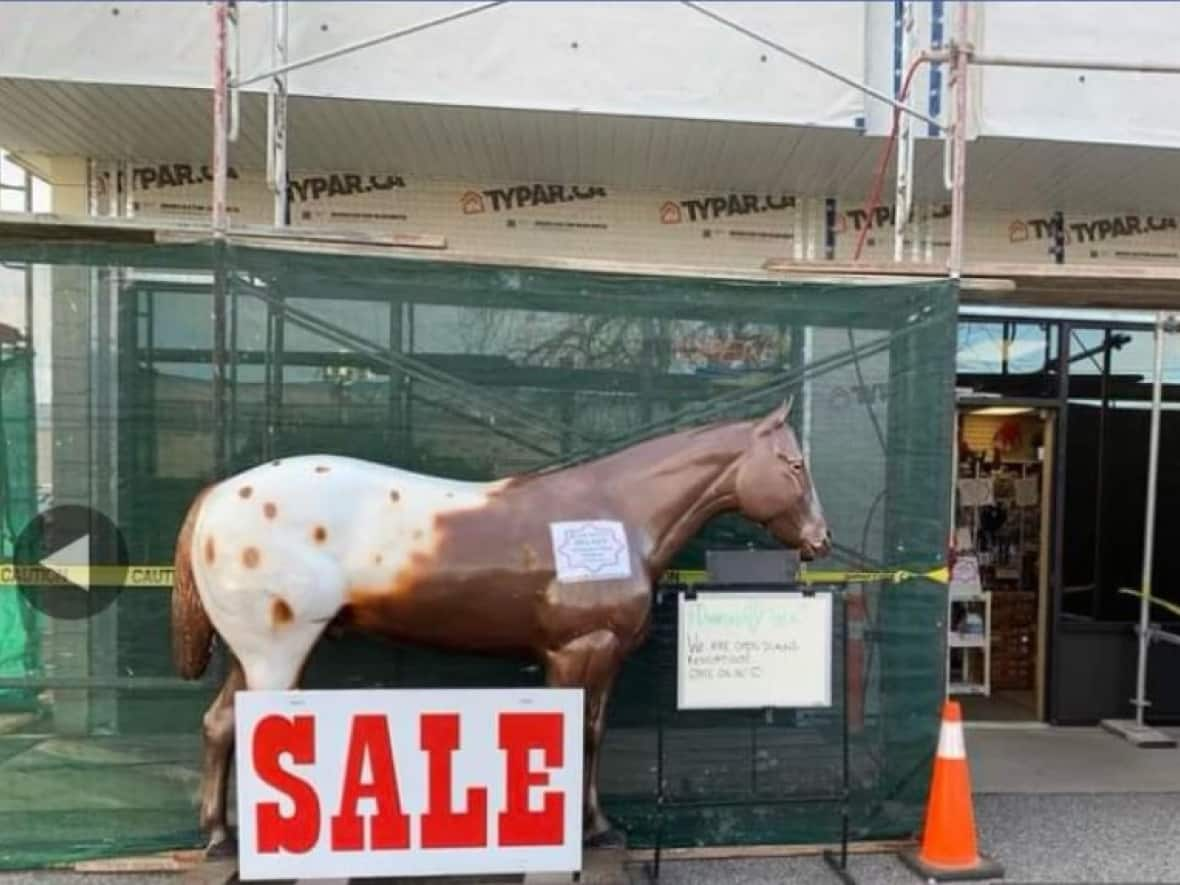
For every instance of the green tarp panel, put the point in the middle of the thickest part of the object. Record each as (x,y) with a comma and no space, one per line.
(18,632)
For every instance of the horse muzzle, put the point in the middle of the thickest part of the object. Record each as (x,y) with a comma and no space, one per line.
(816,547)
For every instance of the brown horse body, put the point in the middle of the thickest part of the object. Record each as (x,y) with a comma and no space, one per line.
(464,567)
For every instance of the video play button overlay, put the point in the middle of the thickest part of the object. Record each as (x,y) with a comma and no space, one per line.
(70,562)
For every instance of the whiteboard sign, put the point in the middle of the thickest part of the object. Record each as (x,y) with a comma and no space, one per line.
(748,650)
(590,550)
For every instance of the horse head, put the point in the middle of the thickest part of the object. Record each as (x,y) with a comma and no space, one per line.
(774,487)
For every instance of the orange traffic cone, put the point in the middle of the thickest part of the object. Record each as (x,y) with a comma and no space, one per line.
(948,850)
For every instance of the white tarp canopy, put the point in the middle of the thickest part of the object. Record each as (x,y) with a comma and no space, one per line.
(646,59)
(1112,107)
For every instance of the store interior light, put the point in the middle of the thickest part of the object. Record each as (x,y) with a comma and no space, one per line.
(1002,410)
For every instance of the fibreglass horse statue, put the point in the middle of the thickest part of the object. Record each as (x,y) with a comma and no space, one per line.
(270,557)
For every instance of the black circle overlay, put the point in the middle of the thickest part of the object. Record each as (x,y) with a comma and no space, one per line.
(59,527)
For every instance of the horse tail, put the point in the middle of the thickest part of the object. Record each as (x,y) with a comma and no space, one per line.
(192,631)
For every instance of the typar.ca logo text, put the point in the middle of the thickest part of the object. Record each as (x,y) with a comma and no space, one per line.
(1096,230)
(723,206)
(159,176)
(524,196)
(337,184)
(882,216)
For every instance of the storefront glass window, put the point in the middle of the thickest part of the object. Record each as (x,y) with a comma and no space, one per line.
(1010,359)
(1109,415)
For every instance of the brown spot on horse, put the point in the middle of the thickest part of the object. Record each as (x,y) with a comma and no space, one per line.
(245,492)
(322,468)
(280,613)
(210,552)
(269,510)
(251,557)
(320,534)
(395,496)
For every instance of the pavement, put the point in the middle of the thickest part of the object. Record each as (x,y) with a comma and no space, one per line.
(1049,838)
(1052,805)
(1040,759)
(1115,837)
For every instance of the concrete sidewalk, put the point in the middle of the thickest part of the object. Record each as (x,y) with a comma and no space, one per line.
(1112,837)
(1115,837)
(1052,805)
(1067,760)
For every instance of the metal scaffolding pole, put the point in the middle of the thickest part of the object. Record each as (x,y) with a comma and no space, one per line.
(277,181)
(958,144)
(903,201)
(220,224)
(1153,461)
(1012,61)
(276,114)
(220,106)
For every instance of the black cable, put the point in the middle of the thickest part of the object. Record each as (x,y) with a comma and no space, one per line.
(864,535)
(864,391)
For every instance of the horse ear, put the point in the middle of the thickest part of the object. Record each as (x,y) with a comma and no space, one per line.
(775,420)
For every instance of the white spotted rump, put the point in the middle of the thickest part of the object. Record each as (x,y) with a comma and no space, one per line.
(277,548)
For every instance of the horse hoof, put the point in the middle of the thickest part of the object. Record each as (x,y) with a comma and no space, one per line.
(222,849)
(609,838)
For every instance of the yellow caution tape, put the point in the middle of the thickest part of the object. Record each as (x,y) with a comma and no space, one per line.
(100,576)
(160,576)
(896,576)
(1162,603)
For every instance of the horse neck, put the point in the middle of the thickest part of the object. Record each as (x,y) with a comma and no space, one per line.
(671,486)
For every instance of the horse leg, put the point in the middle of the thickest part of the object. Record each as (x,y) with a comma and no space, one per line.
(276,668)
(218,734)
(590,662)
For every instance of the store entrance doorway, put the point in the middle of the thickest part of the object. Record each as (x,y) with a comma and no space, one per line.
(998,604)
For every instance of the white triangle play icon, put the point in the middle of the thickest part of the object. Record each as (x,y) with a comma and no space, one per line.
(75,558)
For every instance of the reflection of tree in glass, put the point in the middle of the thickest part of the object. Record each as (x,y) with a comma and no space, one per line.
(626,343)
(734,346)
(577,341)
(601,342)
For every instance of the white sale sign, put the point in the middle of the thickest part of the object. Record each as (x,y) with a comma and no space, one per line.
(362,783)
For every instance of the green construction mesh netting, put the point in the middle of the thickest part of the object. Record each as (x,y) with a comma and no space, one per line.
(471,372)
(18,628)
